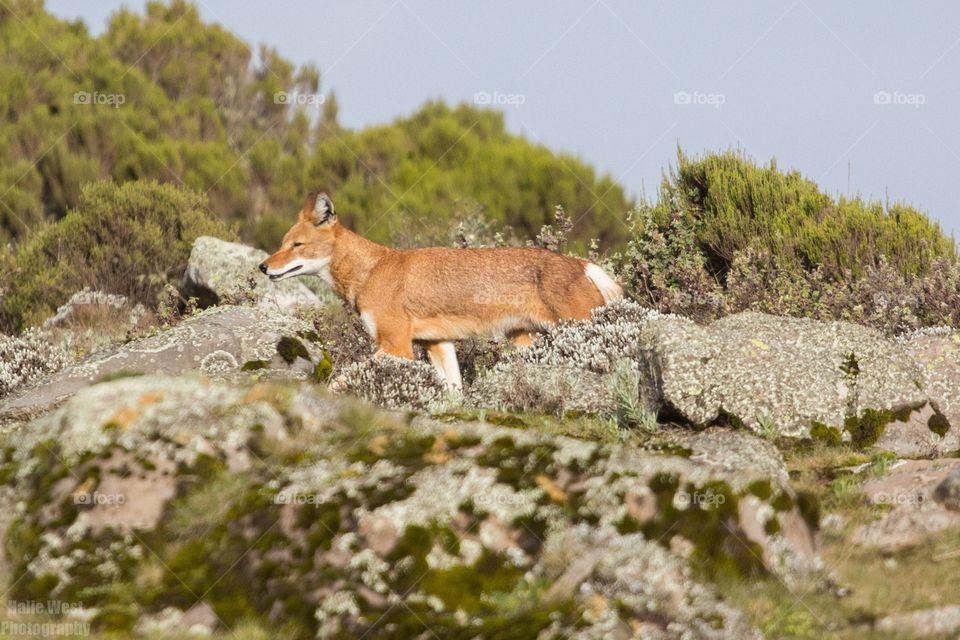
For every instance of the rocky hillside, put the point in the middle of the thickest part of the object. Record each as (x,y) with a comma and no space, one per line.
(246,470)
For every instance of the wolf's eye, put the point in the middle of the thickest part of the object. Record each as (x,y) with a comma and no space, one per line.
(297,244)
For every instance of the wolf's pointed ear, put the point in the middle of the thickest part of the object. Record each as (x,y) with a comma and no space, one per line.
(318,209)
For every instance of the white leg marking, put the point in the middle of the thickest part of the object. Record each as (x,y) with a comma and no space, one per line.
(369,324)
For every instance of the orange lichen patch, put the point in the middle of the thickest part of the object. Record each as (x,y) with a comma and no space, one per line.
(257,393)
(597,606)
(551,488)
(123,417)
(150,398)
(439,453)
(85,488)
(378,445)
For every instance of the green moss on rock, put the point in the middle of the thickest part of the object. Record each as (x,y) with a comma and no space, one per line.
(823,433)
(291,348)
(324,368)
(867,428)
(255,365)
(938,424)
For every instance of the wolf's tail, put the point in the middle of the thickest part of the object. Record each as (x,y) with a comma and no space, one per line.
(606,285)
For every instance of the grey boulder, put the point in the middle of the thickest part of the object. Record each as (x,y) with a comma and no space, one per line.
(227,271)
(218,342)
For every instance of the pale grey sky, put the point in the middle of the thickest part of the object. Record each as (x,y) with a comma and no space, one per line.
(621,83)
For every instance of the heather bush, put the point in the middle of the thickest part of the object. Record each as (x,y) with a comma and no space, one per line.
(882,297)
(596,345)
(92,320)
(593,366)
(558,390)
(343,334)
(27,358)
(727,235)
(128,239)
(737,204)
(663,267)
(391,382)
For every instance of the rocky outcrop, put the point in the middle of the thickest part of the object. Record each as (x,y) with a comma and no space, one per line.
(916,507)
(350,521)
(785,374)
(926,623)
(936,429)
(227,271)
(220,341)
(774,375)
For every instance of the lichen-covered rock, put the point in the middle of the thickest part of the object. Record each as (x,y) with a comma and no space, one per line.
(937,356)
(782,376)
(189,415)
(923,433)
(947,492)
(220,270)
(221,341)
(787,372)
(351,521)
(630,587)
(939,622)
(909,490)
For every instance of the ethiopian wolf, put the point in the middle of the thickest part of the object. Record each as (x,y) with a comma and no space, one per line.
(436,295)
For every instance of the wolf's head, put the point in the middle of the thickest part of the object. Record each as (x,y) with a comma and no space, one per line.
(308,247)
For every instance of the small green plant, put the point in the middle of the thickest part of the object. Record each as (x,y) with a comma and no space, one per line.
(844,488)
(554,237)
(631,411)
(881,464)
(768,427)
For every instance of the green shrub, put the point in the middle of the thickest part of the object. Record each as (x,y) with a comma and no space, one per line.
(727,235)
(737,204)
(129,239)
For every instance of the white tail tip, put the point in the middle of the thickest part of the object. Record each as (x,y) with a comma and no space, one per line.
(606,285)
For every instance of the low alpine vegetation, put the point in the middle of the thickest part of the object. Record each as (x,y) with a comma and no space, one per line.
(129,239)
(26,358)
(728,235)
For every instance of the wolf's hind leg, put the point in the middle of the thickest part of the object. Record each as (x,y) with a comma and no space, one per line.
(443,356)
(521,338)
